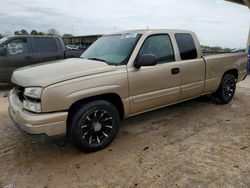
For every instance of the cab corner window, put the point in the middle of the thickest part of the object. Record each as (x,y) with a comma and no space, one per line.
(17,46)
(160,46)
(186,46)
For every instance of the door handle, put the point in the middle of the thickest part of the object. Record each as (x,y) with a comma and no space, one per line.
(175,71)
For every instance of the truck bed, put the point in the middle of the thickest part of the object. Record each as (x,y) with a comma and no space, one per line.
(218,64)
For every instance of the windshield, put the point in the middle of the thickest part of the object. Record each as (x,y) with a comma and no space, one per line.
(3,39)
(112,49)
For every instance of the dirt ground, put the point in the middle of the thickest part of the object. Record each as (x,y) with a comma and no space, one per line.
(193,144)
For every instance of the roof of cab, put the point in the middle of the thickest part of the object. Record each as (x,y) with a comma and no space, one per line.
(153,31)
(32,36)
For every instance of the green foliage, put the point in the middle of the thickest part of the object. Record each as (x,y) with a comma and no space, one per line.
(41,33)
(215,49)
(17,33)
(24,32)
(66,35)
(34,32)
(1,36)
(53,32)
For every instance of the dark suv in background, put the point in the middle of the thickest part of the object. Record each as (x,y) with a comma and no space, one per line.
(20,51)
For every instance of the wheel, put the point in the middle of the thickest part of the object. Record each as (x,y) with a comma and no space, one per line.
(226,90)
(94,125)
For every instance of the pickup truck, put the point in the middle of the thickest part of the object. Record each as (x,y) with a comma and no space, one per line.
(21,51)
(119,76)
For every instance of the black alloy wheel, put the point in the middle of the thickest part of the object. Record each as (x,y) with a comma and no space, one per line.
(226,90)
(94,125)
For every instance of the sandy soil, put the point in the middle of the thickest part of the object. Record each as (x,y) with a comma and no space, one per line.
(193,144)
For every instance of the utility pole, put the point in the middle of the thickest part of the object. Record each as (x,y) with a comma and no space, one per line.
(73,30)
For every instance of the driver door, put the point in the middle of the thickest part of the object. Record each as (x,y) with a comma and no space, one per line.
(155,86)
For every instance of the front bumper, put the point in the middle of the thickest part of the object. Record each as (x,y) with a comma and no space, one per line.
(36,125)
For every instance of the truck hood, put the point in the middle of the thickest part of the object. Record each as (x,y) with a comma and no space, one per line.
(57,71)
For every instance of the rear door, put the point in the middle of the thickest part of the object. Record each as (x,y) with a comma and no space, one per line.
(192,66)
(45,49)
(19,54)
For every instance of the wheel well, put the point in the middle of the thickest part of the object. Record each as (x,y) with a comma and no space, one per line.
(232,71)
(110,97)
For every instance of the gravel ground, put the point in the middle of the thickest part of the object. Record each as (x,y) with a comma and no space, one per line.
(193,144)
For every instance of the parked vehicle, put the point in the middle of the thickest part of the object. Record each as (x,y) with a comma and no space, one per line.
(72,47)
(119,76)
(20,51)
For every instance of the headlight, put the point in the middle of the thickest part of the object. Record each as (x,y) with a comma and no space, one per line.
(32,106)
(33,92)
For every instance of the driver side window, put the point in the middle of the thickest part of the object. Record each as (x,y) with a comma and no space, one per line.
(17,46)
(160,46)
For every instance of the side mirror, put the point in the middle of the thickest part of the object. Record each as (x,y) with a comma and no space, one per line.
(3,51)
(145,60)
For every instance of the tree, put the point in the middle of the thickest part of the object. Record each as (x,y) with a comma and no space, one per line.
(41,33)
(53,32)
(24,32)
(66,35)
(215,49)
(17,33)
(1,36)
(34,32)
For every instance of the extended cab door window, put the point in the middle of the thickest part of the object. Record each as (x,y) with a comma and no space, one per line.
(192,67)
(186,46)
(160,46)
(17,46)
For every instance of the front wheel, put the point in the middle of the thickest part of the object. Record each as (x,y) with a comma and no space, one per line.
(226,90)
(94,126)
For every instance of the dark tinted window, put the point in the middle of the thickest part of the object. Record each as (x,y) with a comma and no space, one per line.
(160,46)
(186,46)
(44,45)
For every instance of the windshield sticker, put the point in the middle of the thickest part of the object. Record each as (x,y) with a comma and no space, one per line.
(129,35)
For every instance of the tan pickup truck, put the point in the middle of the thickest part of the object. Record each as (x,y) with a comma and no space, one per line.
(119,76)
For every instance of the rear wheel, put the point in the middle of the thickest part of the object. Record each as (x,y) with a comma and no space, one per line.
(226,90)
(94,126)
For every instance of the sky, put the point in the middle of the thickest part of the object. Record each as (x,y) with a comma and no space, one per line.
(216,22)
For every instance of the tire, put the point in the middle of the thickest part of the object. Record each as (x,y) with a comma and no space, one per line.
(226,90)
(94,125)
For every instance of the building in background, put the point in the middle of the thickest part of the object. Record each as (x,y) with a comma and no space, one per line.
(83,41)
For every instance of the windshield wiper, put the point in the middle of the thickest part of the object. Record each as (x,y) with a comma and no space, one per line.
(97,59)
(102,60)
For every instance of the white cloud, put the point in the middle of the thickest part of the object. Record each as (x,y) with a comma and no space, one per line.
(216,22)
